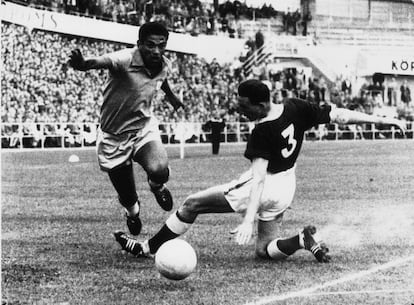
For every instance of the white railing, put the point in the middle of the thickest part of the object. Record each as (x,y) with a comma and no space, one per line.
(67,135)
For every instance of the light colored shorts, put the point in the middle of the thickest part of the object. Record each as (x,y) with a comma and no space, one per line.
(114,150)
(277,195)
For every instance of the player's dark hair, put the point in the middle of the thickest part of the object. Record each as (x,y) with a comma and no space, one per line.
(152,28)
(255,90)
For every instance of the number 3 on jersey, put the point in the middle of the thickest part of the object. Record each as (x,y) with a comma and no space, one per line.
(288,134)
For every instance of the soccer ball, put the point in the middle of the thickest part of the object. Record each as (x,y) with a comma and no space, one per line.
(175,259)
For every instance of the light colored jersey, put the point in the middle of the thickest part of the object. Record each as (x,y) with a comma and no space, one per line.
(129,92)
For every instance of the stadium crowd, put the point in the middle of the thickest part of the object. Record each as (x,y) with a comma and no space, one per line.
(191,16)
(37,85)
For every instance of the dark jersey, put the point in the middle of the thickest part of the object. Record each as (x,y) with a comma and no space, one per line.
(280,140)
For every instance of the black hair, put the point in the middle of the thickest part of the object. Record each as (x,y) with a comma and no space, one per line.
(152,28)
(255,90)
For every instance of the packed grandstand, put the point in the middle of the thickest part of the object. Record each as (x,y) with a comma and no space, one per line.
(42,96)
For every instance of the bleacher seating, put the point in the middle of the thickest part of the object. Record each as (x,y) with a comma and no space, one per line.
(39,88)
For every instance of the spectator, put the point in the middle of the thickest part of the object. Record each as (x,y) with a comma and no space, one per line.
(287,20)
(405,93)
(216,125)
(392,92)
(306,18)
(259,40)
(346,86)
(295,19)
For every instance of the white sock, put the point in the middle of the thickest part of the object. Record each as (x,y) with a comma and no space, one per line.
(176,225)
(133,210)
(145,247)
(274,252)
(301,240)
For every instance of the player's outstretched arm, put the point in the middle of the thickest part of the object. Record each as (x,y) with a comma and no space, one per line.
(78,62)
(172,98)
(346,116)
(244,231)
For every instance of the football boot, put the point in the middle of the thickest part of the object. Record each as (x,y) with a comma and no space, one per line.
(134,224)
(129,244)
(163,197)
(312,243)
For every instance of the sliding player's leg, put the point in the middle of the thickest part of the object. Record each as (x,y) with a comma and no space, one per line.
(278,192)
(269,246)
(211,200)
(267,231)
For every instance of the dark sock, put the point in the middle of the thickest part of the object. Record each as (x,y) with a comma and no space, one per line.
(122,179)
(289,245)
(163,235)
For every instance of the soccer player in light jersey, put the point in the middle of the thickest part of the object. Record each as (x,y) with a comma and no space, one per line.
(128,130)
(268,187)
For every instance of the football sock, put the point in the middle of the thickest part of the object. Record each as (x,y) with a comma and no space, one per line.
(282,248)
(132,210)
(122,179)
(289,245)
(274,252)
(172,228)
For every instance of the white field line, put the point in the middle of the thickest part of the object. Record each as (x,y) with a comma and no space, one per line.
(351,292)
(347,278)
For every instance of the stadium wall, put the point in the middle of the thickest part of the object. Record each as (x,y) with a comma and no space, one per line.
(205,46)
(69,135)
(353,13)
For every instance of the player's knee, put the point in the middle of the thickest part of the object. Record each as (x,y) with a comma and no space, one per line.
(158,173)
(191,205)
(189,210)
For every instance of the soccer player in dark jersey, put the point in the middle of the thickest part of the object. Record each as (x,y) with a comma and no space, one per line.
(268,187)
(128,129)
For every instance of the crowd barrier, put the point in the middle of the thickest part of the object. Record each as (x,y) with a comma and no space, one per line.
(67,135)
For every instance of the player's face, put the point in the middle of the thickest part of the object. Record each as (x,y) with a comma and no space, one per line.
(152,50)
(252,111)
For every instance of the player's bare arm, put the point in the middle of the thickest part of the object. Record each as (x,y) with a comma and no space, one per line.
(78,62)
(245,229)
(172,98)
(346,116)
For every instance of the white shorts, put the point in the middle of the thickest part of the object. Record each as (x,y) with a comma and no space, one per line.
(277,195)
(114,150)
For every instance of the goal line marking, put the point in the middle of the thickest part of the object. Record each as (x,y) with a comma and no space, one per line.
(347,278)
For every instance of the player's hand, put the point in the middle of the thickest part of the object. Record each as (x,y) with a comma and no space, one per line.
(243,233)
(76,60)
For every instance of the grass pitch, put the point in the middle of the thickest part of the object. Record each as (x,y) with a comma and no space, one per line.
(58,218)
